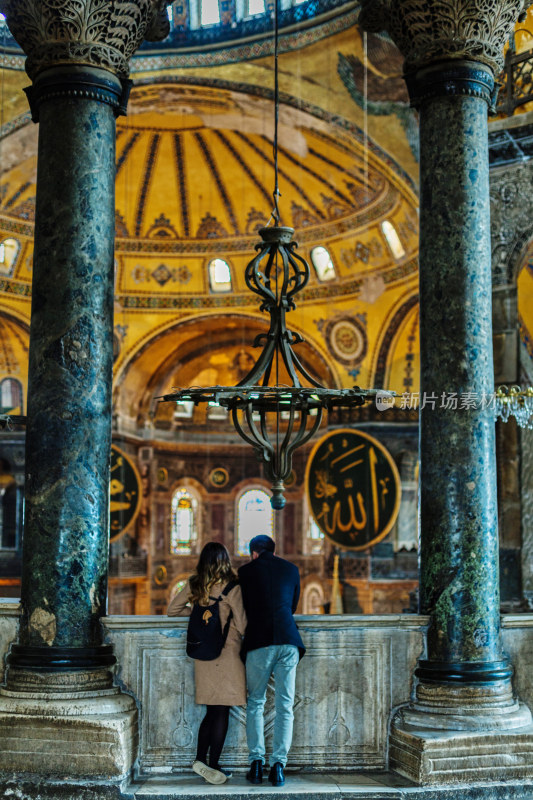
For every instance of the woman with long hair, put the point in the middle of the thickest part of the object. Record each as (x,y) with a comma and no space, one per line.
(220,683)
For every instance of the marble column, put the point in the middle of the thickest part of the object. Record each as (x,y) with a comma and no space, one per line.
(60,673)
(459,582)
(68,438)
(464,678)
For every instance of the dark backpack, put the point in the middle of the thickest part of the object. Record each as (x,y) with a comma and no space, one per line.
(205,637)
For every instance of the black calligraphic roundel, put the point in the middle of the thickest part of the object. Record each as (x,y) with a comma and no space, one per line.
(125,493)
(353,488)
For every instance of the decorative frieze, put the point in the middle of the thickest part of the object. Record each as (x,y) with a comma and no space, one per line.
(95,33)
(429,31)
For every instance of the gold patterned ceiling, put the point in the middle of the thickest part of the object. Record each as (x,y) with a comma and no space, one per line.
(194,183)
(196,164)
(205,169)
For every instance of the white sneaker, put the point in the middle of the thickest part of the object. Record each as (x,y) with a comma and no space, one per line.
(208,774)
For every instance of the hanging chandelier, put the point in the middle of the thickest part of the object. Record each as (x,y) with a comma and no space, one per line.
(272,417)
(516,402)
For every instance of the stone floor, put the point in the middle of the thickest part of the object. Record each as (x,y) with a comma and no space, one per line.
(357,786)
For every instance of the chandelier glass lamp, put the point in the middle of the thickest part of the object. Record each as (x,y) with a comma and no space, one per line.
(517,402)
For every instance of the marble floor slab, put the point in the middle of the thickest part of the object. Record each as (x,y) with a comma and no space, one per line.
(355,786)
(315,787)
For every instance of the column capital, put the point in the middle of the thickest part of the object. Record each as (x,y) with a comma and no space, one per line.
(431,31)
(94,33)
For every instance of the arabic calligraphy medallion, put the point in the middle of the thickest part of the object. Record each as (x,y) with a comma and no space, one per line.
(353,488)
(125,493)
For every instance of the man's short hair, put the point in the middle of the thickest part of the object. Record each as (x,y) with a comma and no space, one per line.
(262,543)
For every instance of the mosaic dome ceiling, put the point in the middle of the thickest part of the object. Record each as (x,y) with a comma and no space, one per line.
(195,178)
(194,183)
(206,172)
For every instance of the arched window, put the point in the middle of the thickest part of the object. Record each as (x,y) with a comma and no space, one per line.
(256,7)
(183,528)
(10,396)
(184,409)
(210,12)
(254,516)
(214,411)
(393,240)
(323,264)
(315,538)
(219,275)
(9,250)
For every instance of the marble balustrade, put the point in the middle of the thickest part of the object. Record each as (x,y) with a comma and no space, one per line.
(357,670)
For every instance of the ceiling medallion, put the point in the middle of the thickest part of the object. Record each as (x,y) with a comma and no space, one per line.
(347,340)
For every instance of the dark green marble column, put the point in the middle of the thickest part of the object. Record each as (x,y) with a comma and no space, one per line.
(65,557)
(459,585)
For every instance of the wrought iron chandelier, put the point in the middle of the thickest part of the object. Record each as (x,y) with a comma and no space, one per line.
(276,418)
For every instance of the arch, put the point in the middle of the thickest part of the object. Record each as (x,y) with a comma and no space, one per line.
(253,515)
(511,220)
(402,372)
(313,597)
(11,396)
(185,513)
(524,302)
(398,319)
(151,369)
(14,316)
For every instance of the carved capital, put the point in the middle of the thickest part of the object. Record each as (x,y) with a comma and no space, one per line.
(430,31)
(95,33)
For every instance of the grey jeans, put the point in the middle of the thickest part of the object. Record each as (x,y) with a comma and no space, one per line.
(281,661)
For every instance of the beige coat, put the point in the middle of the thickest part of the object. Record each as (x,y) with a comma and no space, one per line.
(221,682)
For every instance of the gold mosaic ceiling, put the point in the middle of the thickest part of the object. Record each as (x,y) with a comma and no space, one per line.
(194,182)
(205,170)
(195,164)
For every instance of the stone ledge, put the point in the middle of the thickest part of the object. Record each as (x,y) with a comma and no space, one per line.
(431,757)
(9,608)
(333,621)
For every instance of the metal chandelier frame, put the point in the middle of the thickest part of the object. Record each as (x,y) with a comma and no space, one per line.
(276,274)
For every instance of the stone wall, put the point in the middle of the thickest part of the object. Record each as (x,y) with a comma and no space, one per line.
(356,671)
(9,614)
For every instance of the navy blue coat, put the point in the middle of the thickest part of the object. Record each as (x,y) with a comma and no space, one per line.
(270,590)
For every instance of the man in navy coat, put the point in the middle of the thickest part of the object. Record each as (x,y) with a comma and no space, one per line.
(273,646)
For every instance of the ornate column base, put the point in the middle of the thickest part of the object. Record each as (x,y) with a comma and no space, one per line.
(457,734)
(58,730)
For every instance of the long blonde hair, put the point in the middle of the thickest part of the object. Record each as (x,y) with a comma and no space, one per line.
(214,566)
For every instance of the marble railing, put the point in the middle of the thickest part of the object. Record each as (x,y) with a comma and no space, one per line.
(355,672)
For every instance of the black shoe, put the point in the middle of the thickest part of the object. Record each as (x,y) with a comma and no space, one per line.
(276,776)
(255,773)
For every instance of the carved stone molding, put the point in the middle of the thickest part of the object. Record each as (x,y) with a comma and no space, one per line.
(511,211)
(429,31)
(96,33)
